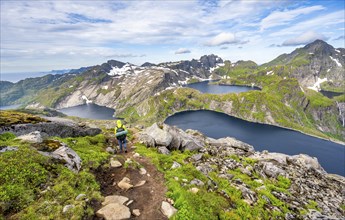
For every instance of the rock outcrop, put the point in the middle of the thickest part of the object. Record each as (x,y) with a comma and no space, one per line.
(51,129)
(65,155)
(170,137)
(307,179)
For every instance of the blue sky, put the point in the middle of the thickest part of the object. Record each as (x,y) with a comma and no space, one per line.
(46,35)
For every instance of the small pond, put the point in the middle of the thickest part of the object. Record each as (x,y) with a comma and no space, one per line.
(331,94)
(208,87)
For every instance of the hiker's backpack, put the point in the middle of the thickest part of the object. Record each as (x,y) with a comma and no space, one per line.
(119,129)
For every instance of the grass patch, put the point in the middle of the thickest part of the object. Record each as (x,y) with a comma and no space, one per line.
(9,117)
(33,186)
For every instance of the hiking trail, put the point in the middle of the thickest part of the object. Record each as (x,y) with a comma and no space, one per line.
(142,193)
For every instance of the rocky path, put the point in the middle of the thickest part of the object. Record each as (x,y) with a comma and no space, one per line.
(134,185)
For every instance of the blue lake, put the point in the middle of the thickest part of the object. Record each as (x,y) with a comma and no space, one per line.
(207,87)
(331,94)
(330,155)
(7,107)
(91,111)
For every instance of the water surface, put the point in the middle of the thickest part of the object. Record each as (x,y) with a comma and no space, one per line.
(91,111)
(206,87)
(330,95)
(330,155)
(7,107)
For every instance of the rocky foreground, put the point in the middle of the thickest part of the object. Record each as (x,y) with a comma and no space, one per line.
(309,182)
(290,187)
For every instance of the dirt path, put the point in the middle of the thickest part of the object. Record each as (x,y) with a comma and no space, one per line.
(147,198)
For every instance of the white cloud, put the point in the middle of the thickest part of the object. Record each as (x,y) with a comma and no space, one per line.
(278,18)
(318,23)
(182,50)
(222,39)
(342,37)
(304,38)
(78,32)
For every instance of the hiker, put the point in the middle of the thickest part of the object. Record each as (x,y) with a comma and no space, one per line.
(121,133)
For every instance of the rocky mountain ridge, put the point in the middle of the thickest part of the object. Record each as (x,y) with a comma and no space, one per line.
(315,62)
(146,92)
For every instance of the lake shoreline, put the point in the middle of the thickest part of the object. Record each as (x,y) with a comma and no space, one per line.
(279,126)
(263,137)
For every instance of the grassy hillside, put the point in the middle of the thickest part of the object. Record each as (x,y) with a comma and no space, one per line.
(280,102)
(33,186)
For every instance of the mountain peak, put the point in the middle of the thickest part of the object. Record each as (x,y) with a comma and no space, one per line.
(319,45)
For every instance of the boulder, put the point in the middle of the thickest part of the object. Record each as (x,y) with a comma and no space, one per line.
(110,150)
(248,195)
(194,190)
(271,157)
(136,155)
(197,182)
(125,184)
(81,196)
(191,144)
(114,211)
(161,137)
(197,157)
(163,150)
(175,165)
(140,183)
(272,170)
(66,208)
(306,161)
(65,155)
(176,141)
(142,171)
(114,199)
(4,149)
(231,142)
(147,140)
(115,163)
(33,137)
(167,209)
(136,212)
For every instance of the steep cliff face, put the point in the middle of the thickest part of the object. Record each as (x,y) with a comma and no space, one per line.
(120,86)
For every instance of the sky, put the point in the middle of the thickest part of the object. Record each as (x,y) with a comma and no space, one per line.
(45,35)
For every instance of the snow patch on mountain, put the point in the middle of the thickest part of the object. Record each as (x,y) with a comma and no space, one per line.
(216,67)
(86,99)
(316,86)
(270,73)
(336,61)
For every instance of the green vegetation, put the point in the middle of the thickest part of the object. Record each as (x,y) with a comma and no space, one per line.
(218,199)
(280,102)
(90,149)
(35,187)
(318,100)
(9,117)
(329,86)
(193,80)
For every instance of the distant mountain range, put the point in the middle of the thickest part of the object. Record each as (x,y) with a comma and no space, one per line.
(149,91)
